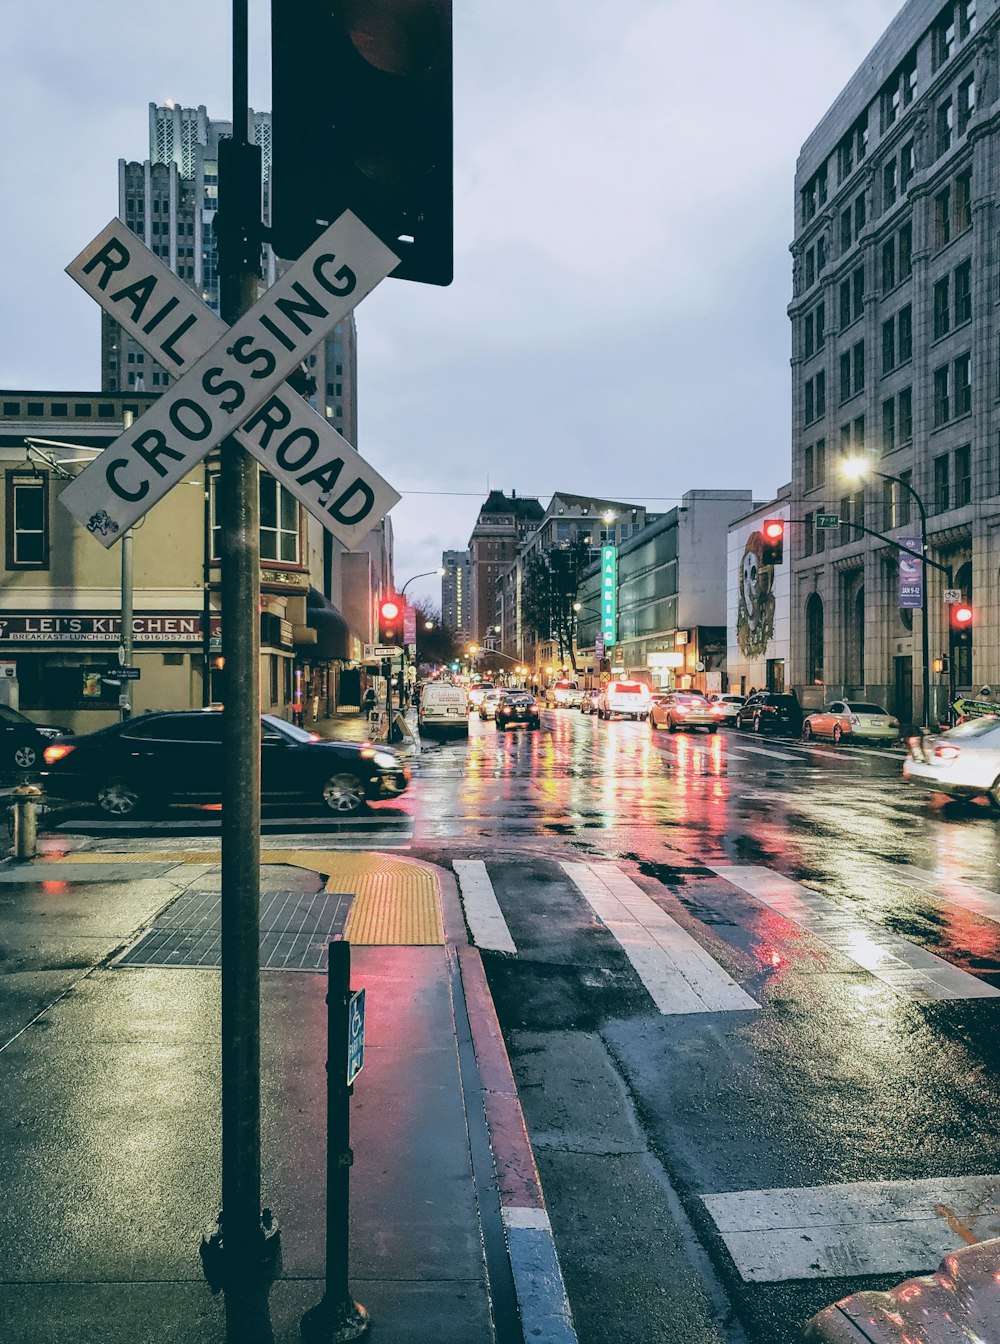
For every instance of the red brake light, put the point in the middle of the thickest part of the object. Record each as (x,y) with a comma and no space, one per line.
(315,737)
(57,752)
(947,753)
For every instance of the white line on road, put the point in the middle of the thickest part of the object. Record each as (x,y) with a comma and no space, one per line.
(482,909)
(769,751)
(678,973)
(859,1228)
(956,891)
(906,968)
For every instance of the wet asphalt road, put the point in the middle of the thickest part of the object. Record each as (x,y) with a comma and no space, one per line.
(850,1065)
(839,1076)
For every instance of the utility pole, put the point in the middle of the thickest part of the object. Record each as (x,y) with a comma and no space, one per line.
(125,646)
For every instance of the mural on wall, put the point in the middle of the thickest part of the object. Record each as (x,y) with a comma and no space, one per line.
(755,612)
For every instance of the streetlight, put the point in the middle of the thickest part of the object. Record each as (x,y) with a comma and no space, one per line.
(856,468)
(428,626)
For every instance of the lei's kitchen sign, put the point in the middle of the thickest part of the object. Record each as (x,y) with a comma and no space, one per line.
(79,628)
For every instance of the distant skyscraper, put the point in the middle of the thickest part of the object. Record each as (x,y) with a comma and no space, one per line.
(170,201)
(456,591)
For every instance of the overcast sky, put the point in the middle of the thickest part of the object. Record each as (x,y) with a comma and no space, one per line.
(623,211)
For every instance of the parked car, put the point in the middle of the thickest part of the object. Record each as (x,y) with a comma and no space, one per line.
(588,701)
(444,707)
(682,709)
(630,699)
(22,741)
(852,719)
(963,762)
(770,712)
(477,692)
(158,759)
(517,709)
(726,708)
(563,694)
(489,702)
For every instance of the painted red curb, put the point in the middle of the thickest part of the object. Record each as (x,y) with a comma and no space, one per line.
(517,1174)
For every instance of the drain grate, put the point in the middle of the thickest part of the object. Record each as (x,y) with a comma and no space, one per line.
(295,928)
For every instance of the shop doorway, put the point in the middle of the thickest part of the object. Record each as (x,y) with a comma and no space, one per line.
(902,694)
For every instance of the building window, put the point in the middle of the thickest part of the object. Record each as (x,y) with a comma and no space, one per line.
(845,304)
(942,399)
(859,434)
(963,384)
(906,167)
(820,326)
(808,342)
(820,254)
(809,201)
(810,400)
(898,92)
(889,345)
(858,362)
(845,376)
(944,125)
(942,307)
(810,268)
(963,293)
(966,19)
(963,201)
(966,103)
(27,514)
(889,425)
(845,230)
(943,37)
(820,461)
(904,334)
(845,520)
(809,468)
(858,290)
(888,505)
(905,498)
(820,394)
(941,484)
(905,251)
(888,266)
(859,215)
(942,218)
(904,419)
(890,182)
(807,535)
(963,475)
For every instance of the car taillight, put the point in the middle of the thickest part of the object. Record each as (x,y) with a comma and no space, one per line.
(853,718)
(681,709)
(368,753)
(57,752)
(893,723)
(943,753)
(315,737)
(769,709)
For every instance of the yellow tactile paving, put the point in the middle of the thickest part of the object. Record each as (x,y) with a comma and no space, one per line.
(396,901)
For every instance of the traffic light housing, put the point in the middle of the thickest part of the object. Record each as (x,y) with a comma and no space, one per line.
(773,533)
(390,619)
(362,121)
(963,618)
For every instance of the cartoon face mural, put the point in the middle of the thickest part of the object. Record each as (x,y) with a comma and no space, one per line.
(755,611)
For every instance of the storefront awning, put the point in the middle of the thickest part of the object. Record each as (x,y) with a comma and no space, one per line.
(333,639)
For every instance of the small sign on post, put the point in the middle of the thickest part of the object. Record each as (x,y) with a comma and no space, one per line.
(355,1036)
(952,596)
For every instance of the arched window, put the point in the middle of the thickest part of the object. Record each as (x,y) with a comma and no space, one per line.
(814,638)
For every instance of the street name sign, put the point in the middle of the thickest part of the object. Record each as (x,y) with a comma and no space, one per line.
(355,1036)
(824,520)
(231,378)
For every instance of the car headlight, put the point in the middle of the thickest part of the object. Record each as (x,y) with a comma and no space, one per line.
(386,760)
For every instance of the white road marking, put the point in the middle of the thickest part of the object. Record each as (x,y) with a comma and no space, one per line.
(906,968)
(956,891)
(678,973)
(769,751)
(482,909)
(859,1228)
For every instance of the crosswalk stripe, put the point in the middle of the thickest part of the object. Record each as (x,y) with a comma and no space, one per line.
(677,972)
(482,909)
(905,967)
(956,890)
(769,751)
(858,1228)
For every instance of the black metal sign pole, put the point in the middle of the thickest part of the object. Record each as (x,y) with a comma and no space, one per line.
(244,1255)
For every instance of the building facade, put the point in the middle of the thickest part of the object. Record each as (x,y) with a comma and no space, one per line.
(502,524)
(896,359)
(456,593)
(758,622)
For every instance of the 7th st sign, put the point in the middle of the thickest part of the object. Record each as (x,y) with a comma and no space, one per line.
(232,383)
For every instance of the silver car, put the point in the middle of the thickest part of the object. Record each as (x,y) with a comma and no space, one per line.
(963,761)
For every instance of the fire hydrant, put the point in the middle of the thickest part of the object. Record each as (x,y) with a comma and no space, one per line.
(26,799)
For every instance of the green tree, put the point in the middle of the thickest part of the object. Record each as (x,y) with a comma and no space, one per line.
(549,589)
(438,646)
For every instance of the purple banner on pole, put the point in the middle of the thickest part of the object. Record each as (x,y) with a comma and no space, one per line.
(911,588)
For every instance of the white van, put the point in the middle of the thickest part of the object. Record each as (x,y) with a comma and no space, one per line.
(630,699)
(443,707)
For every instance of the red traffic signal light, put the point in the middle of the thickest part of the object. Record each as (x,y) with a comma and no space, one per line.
(390,611)
(362,120)
(773,532)
(962,616)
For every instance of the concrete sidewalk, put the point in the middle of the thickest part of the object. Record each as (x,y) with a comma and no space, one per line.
(109,1102)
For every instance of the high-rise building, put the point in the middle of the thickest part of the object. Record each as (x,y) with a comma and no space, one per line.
(894,360)
(503,522)
(456,591)
(170,200)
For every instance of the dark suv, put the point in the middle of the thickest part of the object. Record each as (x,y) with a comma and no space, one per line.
(767,712)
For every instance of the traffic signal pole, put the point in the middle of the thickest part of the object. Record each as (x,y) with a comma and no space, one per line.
(241,1256)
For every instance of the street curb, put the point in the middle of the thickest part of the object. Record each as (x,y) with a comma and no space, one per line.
(541,1293)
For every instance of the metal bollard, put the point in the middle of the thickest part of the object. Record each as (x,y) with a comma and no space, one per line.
(26,799)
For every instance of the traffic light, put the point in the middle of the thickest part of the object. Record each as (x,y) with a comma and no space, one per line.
(390,620)
(962,620)
(362,120)
(773,532)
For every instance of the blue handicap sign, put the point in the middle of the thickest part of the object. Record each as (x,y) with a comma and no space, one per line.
(355,1036)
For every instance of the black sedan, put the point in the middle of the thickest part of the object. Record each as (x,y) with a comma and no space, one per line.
(21,741)
(518,708)
(177,758)
(769,712)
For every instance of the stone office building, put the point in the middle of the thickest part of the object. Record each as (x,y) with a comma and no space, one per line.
(895,353)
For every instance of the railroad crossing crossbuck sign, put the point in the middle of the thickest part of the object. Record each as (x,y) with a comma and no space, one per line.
(231,381)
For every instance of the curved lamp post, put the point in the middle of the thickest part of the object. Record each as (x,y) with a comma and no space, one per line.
(402,592)
(857,468)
